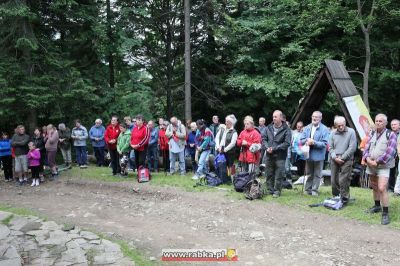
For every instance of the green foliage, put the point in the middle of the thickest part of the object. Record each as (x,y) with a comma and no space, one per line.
(248,57)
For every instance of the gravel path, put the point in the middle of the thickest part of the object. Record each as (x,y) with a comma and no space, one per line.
(264,233)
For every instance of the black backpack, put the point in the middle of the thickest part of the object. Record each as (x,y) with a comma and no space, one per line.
(212,180)
(241,179)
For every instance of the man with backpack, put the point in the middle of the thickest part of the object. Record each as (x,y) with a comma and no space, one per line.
(343,144)
(176,133)
(276,141)
(379,157)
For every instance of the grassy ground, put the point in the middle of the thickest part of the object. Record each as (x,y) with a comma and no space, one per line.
(293,198)
(19,211)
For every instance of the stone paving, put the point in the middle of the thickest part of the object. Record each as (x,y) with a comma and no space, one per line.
(29,240)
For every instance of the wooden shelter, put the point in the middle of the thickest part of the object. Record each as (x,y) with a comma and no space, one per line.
(333,75)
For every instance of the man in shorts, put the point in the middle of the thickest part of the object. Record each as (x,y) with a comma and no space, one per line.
(20,144)
(379,157)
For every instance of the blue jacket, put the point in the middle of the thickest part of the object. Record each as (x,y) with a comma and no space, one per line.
(191,140)
(153,137)
(97,132)
(321,139)
(81,134)
(5,147)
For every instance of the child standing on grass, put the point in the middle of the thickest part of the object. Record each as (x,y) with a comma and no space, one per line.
(123,147)
(34,163)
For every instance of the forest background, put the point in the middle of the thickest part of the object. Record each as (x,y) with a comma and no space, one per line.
(67,59)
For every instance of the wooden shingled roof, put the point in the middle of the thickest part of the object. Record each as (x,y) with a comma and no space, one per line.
(333,75)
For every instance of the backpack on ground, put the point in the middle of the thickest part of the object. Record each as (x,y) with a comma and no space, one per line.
(240,180)
(253,189)
(221,168)
(333,203)
(143,175)
(212,180)
(286,184)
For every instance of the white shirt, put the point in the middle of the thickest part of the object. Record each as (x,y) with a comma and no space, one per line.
(313,129)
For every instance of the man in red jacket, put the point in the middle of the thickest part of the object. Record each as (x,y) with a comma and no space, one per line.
(139,140)
(111,137)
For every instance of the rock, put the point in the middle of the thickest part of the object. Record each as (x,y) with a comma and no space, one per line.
(4,231)
(30,227)
(125,262)
(152,259)
(57,237)
(72,245)
(11,262)
(72,257)
(51,226)
(38,233)
(11,253)
(88,235)
(104,259)
(68,227)
(110,247)
(95,242)
(258,236)
(17,222)
(4,215)
(29,245)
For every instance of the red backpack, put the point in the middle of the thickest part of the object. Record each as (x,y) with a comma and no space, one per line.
(143,175)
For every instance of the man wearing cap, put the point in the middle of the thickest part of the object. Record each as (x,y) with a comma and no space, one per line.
(342,143)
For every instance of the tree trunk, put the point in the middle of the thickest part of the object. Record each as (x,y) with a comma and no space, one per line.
(168,60)
(110,56)
(366,68)
(366,31)
(27,30)
(188,82)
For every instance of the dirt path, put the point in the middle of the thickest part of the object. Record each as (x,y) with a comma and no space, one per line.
(154,218)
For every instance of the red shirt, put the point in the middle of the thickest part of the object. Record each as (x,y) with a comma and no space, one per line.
(163,140)
(140,136)
(112,132)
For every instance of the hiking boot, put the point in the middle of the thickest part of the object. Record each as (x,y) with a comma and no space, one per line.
(37,182)
(374,209)
(314,193)
(307,193)
(385,219)
(195,177)
(276,195)
(83,166)
(33,183)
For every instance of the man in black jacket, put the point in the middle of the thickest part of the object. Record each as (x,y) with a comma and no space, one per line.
(276,141)
(20,143)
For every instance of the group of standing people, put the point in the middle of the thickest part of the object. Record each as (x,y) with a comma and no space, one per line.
(133,144)
(22,152)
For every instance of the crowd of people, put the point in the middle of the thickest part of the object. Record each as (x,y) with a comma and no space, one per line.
(133,143)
